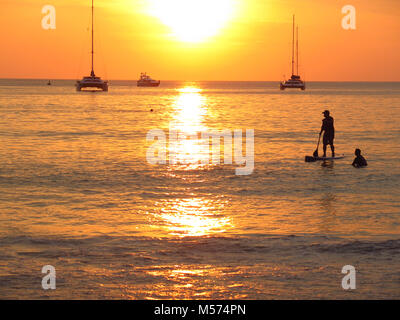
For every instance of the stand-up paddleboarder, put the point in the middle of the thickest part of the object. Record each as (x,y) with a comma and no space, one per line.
(329,132)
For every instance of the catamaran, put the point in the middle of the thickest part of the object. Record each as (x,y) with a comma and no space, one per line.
(146,81)
(92,81)
(295,81)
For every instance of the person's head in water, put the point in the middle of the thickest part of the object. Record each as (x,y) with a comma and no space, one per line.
(326,113)
(359,161)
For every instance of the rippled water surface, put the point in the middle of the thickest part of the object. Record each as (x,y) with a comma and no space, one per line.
(77,192)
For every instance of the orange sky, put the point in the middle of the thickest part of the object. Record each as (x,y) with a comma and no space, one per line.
(253,42)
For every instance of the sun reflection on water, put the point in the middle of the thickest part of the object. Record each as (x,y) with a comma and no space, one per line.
(190,109)
(193,217)
(188,122)
(198,215)
(193,281)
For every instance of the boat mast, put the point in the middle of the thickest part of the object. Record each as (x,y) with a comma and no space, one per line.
(297,49)
(293,49)
(92,73)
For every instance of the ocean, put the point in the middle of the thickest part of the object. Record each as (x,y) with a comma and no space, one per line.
(77,192)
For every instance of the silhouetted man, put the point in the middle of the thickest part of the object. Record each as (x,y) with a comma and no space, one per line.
(359,161)
(329,132)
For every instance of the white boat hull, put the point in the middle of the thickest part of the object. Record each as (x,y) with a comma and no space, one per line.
(298,84)
(92,83)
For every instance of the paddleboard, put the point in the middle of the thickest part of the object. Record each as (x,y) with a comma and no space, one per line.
(313,159)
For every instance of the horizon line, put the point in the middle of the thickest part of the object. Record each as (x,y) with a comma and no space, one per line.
(65,79)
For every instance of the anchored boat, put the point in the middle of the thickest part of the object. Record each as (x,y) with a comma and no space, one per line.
(295,81)
(92,81)
(146,81)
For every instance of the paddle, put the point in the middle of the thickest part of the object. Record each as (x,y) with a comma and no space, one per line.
(315,154)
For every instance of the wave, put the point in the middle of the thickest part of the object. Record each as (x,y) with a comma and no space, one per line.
(237,245)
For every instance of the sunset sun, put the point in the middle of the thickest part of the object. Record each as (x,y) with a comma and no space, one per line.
(193,20)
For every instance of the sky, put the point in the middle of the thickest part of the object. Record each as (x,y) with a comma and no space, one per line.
(191,40)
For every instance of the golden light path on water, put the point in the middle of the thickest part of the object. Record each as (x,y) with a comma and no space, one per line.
(189,281)
(196,216)
(188,122)
(193,217)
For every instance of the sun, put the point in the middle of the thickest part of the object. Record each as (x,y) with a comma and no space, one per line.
(193,20)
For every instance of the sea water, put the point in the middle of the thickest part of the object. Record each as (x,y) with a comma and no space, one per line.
(77,192)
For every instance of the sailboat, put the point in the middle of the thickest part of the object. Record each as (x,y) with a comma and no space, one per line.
(295,81)
(92,81)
